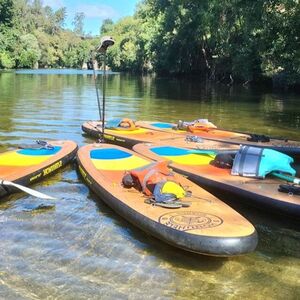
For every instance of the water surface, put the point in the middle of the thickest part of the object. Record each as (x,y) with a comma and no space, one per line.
(78,248)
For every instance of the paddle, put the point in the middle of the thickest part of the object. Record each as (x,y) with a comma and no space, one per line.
(105,42)
(26,190)
(250,134)
(95,82)
(288,178)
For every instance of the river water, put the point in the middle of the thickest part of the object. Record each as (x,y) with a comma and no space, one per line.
(78,248)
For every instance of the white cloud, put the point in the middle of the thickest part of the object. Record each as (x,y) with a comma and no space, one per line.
(97,11)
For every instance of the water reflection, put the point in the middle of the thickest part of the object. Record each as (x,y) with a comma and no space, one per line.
(80,249)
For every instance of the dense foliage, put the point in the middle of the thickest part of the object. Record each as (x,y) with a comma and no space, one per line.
(32,35)
(228,41)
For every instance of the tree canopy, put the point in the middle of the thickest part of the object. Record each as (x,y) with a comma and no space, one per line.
(230,40)
(226,40)
(33,35)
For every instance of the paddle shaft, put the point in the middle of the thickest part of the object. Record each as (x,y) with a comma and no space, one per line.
(103,94)
(287,177)
(95,82)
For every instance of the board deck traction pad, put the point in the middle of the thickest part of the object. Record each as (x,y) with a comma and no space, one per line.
(27,157)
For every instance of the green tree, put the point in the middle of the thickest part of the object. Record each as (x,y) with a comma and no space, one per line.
(78,23)
(281,31)
(30,52)
(107,26)
(127,53)
(174,34)
(6,61)
(6,12)
(229,41)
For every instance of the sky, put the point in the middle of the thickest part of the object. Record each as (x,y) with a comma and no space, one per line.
(95,11)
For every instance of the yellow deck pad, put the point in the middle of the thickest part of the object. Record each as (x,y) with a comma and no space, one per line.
(20,160)
(135,131)
(191,159)
(125,164)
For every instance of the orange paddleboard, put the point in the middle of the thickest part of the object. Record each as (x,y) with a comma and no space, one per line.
(262,193)
(289,147)
(128,138)
(28,165)
(208,226)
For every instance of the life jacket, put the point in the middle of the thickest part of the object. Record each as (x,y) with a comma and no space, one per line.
(121,124)
(127,124)
(193,126)
(200,125)
(158,182)
(152,175)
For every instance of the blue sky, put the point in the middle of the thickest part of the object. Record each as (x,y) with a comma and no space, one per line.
(95,11)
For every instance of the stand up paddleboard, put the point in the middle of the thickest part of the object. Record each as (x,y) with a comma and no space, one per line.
(287,146)
(129,138)
(207,226)
(31,163)
(199,167)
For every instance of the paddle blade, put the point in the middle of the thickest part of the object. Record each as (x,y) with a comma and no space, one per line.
(27,190)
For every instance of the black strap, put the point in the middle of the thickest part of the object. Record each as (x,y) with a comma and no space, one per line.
(289,189)
(258,138)
(194,139)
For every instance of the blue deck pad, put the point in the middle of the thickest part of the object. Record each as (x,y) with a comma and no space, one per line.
(163,125)
(170,151)
(40,152)
(109,153)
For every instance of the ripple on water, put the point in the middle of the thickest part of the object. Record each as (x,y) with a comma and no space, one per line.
(80,249)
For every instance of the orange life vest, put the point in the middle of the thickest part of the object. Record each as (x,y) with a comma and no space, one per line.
(198,126)
(126,124)
(152,175)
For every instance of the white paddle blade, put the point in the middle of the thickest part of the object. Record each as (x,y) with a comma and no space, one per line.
(27,190)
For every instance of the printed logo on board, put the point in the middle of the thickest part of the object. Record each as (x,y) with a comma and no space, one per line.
(109,137)
(84,175)
(52,168)
(190,220)
(120,140)
(35,177)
